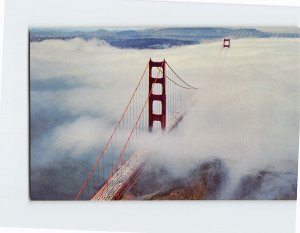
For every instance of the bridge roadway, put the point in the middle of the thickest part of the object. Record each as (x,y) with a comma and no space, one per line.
(126,174)
(122,179)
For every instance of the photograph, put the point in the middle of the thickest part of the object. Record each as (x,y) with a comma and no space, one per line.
(170,113)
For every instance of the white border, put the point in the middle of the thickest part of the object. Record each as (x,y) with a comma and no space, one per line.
(246,2)
(1,42)
(208,217)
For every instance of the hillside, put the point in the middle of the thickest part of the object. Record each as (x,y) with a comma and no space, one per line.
(154,38)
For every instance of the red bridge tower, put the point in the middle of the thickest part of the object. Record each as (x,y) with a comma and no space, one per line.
(160,97)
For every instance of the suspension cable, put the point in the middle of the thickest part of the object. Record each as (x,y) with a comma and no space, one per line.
(177,83)
(181,78)
(108,142)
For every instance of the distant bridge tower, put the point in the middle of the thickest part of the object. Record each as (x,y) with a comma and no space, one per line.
(160,97)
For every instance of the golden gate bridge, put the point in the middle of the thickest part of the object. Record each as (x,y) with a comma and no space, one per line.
(157,103)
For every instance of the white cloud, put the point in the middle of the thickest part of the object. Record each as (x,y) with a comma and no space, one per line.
(79,137)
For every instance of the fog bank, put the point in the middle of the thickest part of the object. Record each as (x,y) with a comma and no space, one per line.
(246,110)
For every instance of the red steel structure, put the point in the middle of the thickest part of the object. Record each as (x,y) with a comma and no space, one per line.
(160,97)
(226,43)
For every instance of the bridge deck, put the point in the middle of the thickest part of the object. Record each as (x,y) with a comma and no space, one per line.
(126,173)
(121,179)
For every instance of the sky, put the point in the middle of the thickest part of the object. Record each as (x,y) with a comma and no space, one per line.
(245,111)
